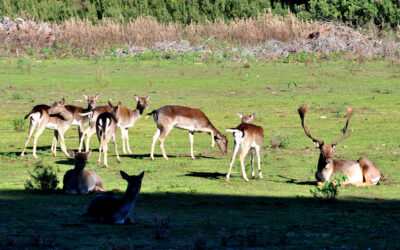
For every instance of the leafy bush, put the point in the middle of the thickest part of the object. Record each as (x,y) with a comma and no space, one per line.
(280,141)
(329,190)
(18,124)
(43,179)
(17,96)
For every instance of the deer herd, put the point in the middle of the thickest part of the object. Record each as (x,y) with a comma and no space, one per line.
(104,121)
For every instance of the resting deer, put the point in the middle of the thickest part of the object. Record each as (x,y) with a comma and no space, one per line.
(106,128)
(127,119)
(359,173)
(194,120)
(42,117)
(248,136)
(80,181)
(108,209)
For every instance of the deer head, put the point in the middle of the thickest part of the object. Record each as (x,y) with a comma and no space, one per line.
(222,142)
(116,110)
(142,102)
(56,107)
(81,159)
(91,100)
(247,118)
(326,150)
(134,182)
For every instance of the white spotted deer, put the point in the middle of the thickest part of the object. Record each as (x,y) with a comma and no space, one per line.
(42,117)
(108,209)
(106,128)
(80,181)
(248,136)
(127,120)
(359,173)
(193,120)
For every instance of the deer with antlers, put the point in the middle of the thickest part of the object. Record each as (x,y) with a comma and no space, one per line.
(359,173)
(248,136)
(126,120)
(194,120)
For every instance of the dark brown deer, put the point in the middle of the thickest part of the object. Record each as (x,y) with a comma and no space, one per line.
(248,136)
(359,173)
(194,120)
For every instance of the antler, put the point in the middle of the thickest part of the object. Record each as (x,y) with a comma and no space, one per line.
(302,112)
(344,130)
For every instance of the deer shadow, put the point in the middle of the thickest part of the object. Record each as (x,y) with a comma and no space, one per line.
(211,176)
(294,181)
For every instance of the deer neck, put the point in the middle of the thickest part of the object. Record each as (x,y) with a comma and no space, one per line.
(130,196)
(66,114)
(140,109)
(321,162)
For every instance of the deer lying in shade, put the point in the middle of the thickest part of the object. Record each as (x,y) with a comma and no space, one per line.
(248,136)
(108,209)
(359,173)
(80,181)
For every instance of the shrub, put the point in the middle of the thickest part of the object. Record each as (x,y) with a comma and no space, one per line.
(18,124)
(280,141)
(17,96)
(43,179)
(329,190)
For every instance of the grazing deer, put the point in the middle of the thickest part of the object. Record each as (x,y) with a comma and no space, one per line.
(248,136)
(108,209)
(359,173)
(106,128)
(80,181)
(42,117)
(194,120)
(127,119)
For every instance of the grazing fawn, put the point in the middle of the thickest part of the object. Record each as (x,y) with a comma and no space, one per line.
(106,128)
(248,136)
(80,181)
(42,116)
(194,120)
(108,209)
(127,120)
(359,173)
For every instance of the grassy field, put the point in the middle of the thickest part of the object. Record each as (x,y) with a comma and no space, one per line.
(186,203)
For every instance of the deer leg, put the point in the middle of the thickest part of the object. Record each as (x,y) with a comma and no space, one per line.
(115,147)
(252,163)
(54,144)
(191,134)
(236,149)
(259,161)
(100,148)
(81,141)
(89,134)
(105,155)
(123,139)
(63,147)
(245,150)
(81,128)
(39,131)
(155,137)
(128,147)
(32,126)
(163,135)
(212,140)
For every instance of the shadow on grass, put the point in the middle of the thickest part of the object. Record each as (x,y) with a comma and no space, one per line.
(141,156)
(211,176)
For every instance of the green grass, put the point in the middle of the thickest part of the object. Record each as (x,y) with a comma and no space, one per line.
(192,195)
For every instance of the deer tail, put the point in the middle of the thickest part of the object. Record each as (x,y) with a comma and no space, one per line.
(150,114)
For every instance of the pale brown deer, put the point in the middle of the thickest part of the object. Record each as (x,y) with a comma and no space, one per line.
(248,136)
(127,120)
(106,128)
(80,181)
(193,120)
(41,117)
(359,173)
(108,209)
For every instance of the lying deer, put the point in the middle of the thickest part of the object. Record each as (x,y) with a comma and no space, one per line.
(359,173)
(127,120)
(108,209)
(42,117)
(80,181)
(247,136)
(194,120)
(106,128)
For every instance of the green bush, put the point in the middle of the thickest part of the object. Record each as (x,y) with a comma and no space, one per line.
(43,179)
(329,190)
(18,124)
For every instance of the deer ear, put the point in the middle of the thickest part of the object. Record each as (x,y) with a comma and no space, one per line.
(124,175)
(136,97)
(240,115)
(119,104)
(62,101)
(88,153)
(147,98)
(52,101)
(96,96)
(253,115)
(110,104)
(217,136)
(333,145)
(316,144)
(86,97)
(141,175)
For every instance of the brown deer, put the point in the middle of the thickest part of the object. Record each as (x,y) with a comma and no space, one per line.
(127,119)
(194,120)
(359,173)
(248,136)
(80,181)
(108,209)
(106,128)
(41,116)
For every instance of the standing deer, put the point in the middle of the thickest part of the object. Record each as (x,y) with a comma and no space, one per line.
(106,128)
(127,120)
(80,181)
(41,117)
(359,173)
(194,120)
(248,136)
(108,209)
